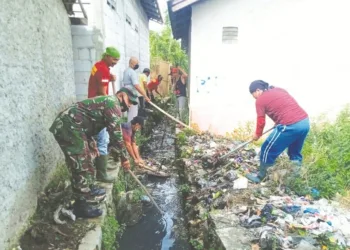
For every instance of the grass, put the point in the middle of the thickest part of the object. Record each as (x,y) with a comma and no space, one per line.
(110,229)
(60,175)
(327,156)
(244,132)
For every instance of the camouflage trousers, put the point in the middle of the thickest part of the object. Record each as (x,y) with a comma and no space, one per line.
(79,151)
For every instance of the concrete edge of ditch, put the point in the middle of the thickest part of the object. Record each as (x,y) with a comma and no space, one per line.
(93,238)
(220,230)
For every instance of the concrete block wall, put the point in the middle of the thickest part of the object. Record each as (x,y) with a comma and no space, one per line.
(37,82)
(108,27)
(86,42)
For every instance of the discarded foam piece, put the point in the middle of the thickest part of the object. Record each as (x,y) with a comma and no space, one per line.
(240,183)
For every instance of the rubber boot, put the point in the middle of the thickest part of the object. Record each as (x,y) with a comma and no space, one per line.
(83,210)
(257,178)
(111,166)
(297,168)
(101,169)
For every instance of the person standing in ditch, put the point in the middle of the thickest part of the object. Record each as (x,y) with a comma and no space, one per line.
(143,79)
(153,86)
(74,129)
(180,77)
(291,126)
(98,86)
(129,129)
(130,79)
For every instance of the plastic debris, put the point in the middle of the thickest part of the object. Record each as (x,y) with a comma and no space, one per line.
(240,183)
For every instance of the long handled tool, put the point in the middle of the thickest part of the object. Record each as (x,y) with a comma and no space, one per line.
(113,87)
(170,116)
(144,189)
(242,145)
(155,172)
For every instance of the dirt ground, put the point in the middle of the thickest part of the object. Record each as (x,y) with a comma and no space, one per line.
(44,233)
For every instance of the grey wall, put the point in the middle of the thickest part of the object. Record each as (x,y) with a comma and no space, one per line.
(36,82)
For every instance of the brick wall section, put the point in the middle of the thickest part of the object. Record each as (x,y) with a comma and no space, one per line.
(37,81)
(108,27)
(86,42)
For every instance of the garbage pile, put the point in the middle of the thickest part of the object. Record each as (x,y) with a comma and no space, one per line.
(278,221)
(298,223)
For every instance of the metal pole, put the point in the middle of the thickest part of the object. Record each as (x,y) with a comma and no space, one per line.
(242,145)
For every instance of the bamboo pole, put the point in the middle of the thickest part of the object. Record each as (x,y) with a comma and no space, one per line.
(144,189)
(170,116)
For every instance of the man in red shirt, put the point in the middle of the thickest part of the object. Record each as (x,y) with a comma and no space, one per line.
(153,86)
(291,126)
(98,86)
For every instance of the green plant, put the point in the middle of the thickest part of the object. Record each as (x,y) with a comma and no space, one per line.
(184,189)
(327,156)
(140,139)
(137,194)
(164,46)
(325,240)
(181,139)
(196,244)
(110,229)
(60,175)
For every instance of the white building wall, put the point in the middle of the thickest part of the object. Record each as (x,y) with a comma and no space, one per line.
(108,27)
(37,82)
(302,46)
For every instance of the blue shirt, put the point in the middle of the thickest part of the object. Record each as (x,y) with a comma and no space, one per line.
(130,77)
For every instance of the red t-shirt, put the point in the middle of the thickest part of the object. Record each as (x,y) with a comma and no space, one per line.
(152,85)
(280,106)
(99,75)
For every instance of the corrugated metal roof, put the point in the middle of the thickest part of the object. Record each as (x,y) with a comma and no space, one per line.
(152,10)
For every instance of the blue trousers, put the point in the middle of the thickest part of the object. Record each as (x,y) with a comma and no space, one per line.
(283,137)
(102,142)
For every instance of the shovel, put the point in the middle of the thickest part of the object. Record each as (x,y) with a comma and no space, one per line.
(242,145)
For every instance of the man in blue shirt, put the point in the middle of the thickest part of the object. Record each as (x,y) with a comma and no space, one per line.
(130,79)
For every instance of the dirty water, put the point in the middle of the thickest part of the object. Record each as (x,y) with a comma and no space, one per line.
(155,231)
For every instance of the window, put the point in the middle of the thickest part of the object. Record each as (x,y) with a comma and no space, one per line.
(229,35)
(112,4)
(128,19)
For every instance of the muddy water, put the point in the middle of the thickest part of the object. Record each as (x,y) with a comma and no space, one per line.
(155,231)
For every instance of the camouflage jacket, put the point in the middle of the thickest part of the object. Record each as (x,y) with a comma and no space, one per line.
(90,116)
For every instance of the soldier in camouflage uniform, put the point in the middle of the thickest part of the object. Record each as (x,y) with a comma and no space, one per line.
(74,129)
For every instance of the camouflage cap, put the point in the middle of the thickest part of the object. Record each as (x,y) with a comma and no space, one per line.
(131,92)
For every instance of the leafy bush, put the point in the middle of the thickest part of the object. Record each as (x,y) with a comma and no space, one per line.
(327,156)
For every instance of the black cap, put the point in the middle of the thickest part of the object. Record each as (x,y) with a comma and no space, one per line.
(258,84)
(138,120)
